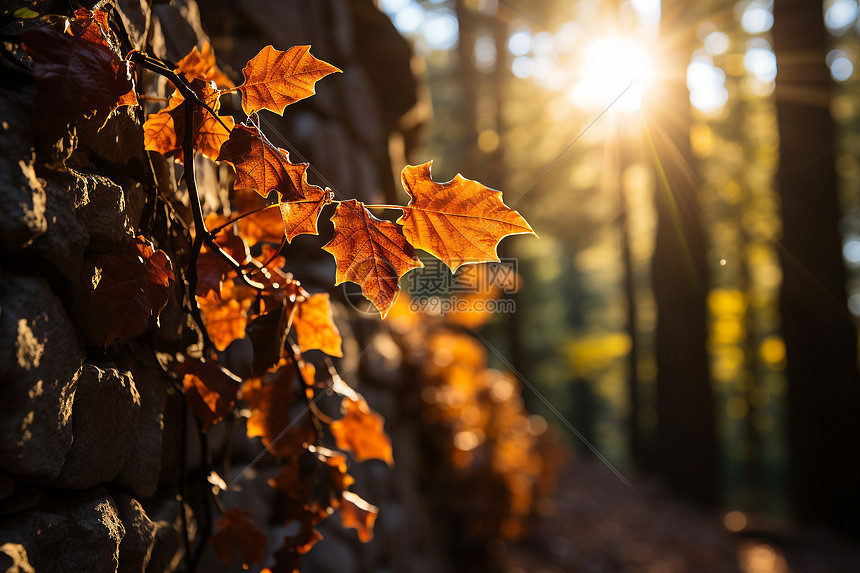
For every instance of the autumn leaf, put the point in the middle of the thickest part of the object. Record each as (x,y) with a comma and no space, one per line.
(212,268)
(370,252)
(92,26)
(164,131)
(238,532)
(314,480)
(288,557)
(77,68)
(225,315)
(300,217)
(308,537)
(458,222)
(274,264)
(336,468)
(210,390)
(201,64)
(261,166)
(270,399)
(276,79)
(359,515)
(268,333)
(159,130)
(360,432)
(134,286)
(315,328)
(295,218)
(263,226)
(308,372)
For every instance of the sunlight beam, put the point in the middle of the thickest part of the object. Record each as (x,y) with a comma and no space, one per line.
(611,65)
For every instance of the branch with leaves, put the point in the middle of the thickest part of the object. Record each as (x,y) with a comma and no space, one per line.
(233,294)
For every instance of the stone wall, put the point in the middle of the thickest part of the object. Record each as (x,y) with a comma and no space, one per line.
(97,446)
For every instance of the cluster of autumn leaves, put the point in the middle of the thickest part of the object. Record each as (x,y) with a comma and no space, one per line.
(78,69)
(500,460)
(491,440)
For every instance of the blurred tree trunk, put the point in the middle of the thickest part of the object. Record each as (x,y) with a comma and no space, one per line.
(820,336)
(686,438)
(634,442)
(497,178)
(468,79)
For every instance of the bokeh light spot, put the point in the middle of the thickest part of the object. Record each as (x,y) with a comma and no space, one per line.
(735,521)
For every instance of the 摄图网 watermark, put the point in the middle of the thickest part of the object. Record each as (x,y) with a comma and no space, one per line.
(434,289)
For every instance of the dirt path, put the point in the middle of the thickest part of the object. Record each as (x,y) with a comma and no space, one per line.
(599,525)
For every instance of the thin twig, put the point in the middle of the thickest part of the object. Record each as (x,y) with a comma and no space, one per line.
(191,279)
(276,253)
(310,399)
(220,228)
(399,207)
(182,87)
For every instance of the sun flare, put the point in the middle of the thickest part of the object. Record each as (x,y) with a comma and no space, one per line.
(613,66)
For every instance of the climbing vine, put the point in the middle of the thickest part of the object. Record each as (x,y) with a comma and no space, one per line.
(232,276)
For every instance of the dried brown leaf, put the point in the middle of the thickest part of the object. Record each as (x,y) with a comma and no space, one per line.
(370,252)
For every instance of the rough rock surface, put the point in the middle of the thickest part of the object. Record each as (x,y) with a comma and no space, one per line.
(105,413)
(22,193)
(142,471)
(136,547)
(59,251)
(101,206)
(79,533)
(39,366)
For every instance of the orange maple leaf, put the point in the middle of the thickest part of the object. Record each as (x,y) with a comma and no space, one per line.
(276,79)
(361,432)
(295,218)
(300,217)
(164,131)
(261,166)
(370,252)
(225,316)
(210,390)
(458,222)
(238,532)
(358,514)
(315,327)
(201,64)
(263,226)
